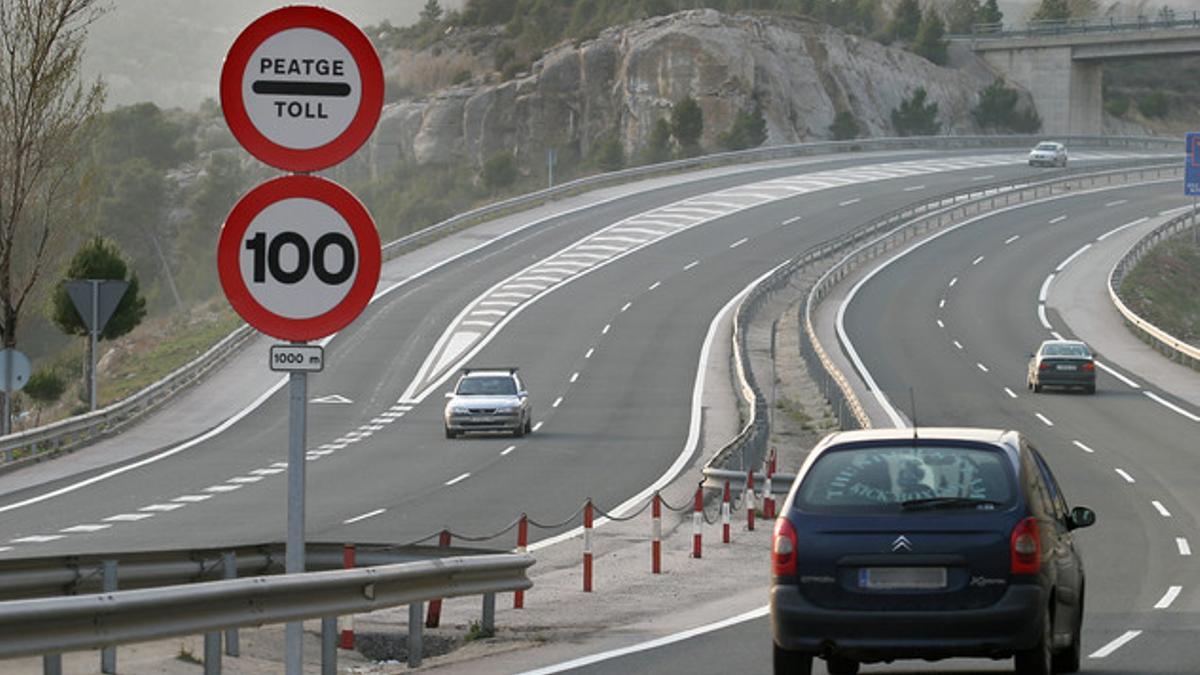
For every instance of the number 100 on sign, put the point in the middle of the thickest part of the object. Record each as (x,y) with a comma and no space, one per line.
(299,257)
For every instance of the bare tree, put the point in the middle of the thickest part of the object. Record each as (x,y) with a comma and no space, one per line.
(44,109)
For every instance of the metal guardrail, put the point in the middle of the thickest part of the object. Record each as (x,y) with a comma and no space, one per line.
(55,625)
(1165,343)
(37,444)
(1073,26)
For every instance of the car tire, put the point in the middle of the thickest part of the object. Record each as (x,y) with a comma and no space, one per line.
(1091,389)
(1037,388)
(449,433)
(1069,659)
(837,665)
(519,431)
(529,425)
(1039,659)
(788,662)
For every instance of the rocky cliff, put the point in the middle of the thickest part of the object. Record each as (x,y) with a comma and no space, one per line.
(617,85)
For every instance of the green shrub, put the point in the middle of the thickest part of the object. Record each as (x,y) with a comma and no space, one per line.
(997,109)
(1154,105)
(500,171)
(608,154)
(845,126)
(1117,106)
(749,130)
(915,117)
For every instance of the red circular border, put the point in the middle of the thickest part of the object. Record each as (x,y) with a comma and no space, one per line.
(370,104)
(366,239)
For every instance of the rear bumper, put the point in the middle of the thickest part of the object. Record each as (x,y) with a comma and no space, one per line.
(1066,378)
(1013,623)
(459,424)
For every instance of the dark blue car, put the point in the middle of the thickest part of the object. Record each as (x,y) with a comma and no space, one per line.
(938,543)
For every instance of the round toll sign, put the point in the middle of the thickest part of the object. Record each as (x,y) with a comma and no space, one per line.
(302,88)
(299,257)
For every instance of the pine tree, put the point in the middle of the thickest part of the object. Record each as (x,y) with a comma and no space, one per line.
(930,41)
(906,20)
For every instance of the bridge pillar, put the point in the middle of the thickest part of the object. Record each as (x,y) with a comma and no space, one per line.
(1066,92)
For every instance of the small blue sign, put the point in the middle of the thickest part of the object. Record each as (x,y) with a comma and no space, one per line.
(1191,175)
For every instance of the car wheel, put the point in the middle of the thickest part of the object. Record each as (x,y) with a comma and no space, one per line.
(837,665)
(788,662)
(529,425)
(519,431)
(1091,389)
(1038,660)
(1037,388)
(449,433)
(1068,660)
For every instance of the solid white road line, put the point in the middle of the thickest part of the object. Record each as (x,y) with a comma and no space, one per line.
(1125,474)
(1168,597)
(739,242)
(1012,239)
(1172,212)
(1042,317)
(1172,406)
(1056,334)
(457,479)
(1115,644)
(1083,447)
(369,514)
(1111,371)
(1057,220)
(1062,265)
(1045,291)
(1045,420)
(1010,392)
(507,450)
(1162,510)
(651,644)
(1115,230)
(1184,548)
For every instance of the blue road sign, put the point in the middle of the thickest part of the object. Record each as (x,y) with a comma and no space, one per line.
(1191,175)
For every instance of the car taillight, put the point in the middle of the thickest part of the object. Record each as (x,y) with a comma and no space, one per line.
(1043,366)
(1026,548)
(783,549)
(1089,367)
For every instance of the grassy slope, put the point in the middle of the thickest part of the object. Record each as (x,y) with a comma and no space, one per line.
(1164,288)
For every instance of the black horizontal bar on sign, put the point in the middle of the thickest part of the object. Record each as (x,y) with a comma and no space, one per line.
(293,88)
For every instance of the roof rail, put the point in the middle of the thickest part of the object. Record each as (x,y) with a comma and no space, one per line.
(510,369)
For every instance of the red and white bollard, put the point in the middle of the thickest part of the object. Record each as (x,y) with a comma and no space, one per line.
(434,617)
(522,544)
(697,522)
(768,496)
(725,515)
(656,535)
(347,635)
(587,547)
(748,500)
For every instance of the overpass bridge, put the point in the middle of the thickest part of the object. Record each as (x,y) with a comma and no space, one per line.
(1060,63)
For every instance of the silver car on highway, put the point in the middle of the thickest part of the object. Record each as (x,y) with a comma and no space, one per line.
(1048,153)
(488,399)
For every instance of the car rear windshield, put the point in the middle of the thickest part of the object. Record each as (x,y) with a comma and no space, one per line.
(1065,350)
(487,386)
(1047,146)
(889,478)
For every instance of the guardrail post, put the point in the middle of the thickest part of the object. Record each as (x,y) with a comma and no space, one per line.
(52,664)
(656,535)
(725,515)
(489,615)
(349,563)
(415,610)
(229,563)
(108,655)
(768,496)
(748,499)
(697,521)
(522,543)
(212,653)
(587,546)
(329,645)
(435,606)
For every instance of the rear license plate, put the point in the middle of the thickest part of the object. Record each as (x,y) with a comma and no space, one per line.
(1067,366)
(893,578)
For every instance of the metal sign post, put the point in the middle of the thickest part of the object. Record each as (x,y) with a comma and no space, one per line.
(95,300)
(16,369)
(294,564)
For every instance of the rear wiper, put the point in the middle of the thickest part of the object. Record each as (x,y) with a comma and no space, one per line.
(946,503)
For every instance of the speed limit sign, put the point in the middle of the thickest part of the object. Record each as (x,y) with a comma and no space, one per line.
(299,257)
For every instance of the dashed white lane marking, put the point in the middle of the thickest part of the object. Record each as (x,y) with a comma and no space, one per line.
(161,508)
(1062,265)
(557,402)
(607,327)
(84,529)
(1012,239)
(914,188)
(128,517)
(1083,447)
(369,514)
(793,219)
(1125,474)
(1182,544)
(1115,230)
(222,488)
(739,242)
(1162,510)
(626,306)
(953,281)
(1010,392)
(981,367)
(1116,644)
(1128,382)
(848,202)
(977,260)
(191,499)
(1117,202)
(942,304)
(1045,420)
(958,344)
(1042,317)
(38,539)
(255,479)
(589,353)
(458,479)
(691,265)
(5,548)
(507,450)
(1168,597)
(538,426)
(574,376)
(280,465)
(1158,399)
(1045,291)
(1057,220)
(654,285)
(940,324)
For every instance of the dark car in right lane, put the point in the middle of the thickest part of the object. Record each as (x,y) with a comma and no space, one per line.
(1062,363)
(926,543)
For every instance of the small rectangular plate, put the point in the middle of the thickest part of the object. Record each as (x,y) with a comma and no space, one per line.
(1067,366)
(303,358)
(902,578)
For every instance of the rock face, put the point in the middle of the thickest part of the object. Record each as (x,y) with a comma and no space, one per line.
(619,84)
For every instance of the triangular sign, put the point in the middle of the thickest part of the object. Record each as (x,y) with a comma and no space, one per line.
(109,293)
(332,398)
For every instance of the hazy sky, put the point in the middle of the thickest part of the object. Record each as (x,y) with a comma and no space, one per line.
(170,51)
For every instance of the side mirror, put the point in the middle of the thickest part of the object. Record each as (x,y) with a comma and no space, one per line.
(1081,516)
(522,394)
(449,394)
